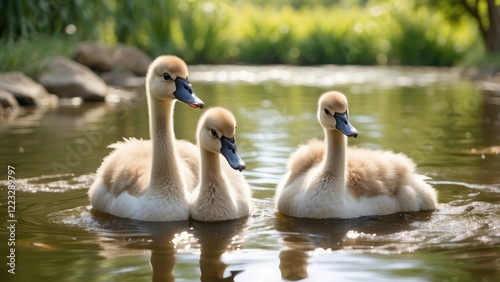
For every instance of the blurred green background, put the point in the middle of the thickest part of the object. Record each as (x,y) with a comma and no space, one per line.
(299,32)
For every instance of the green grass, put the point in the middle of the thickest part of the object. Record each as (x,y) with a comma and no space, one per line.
(27,55)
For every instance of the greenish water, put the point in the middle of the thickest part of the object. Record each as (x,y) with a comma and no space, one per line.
(431,115)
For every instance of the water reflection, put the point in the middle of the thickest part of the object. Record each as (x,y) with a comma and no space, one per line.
(123,237)
(491,119)
(215,239)
(127,238)
(302,236)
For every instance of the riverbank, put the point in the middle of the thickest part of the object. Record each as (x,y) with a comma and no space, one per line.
(103,65)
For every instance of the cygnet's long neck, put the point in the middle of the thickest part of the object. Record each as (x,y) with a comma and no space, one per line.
(212,183)
(211,176)
(165,174)
(335,159)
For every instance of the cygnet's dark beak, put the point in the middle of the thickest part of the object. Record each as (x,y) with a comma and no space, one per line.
(344,125)
(184,93)
(228,150)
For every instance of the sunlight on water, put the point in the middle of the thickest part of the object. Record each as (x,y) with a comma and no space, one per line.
(325,76)
(57,183)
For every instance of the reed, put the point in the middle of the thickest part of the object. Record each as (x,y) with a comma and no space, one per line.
(423,37)
(27,54)
(336,36)
(223,31)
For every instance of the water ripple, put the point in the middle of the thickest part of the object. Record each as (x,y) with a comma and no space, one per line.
(485,187)
(56,183)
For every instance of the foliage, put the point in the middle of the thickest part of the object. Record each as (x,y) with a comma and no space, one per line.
(202,29)
(375,34)
(190,28)
(27,54)
(264,40)
(484,13)
(424,38)
(147,24)
(224,31)
(21,19)
(336,36)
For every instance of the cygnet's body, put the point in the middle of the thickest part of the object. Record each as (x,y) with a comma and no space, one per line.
(222,193)
(150,179)
(327,180)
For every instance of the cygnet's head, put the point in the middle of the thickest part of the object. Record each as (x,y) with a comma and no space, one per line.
(216,133)
(333,113)
(167,78)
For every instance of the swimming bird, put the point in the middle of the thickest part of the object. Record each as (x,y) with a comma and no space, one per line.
(150,179)
(222,193)
(327,180)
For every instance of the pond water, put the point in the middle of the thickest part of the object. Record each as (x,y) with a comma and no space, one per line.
(443,122)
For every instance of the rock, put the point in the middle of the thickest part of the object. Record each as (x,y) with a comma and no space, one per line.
(26,91)
(7,100)
(69,79)
(125,79)
(102,58)
(9,107)
(131,59)
(95,56)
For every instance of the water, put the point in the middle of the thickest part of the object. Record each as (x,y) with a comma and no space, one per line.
(429,114)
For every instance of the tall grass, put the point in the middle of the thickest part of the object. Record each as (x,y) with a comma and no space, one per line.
(202,30)
(373,34)
(224,31)
(193,29)
(261,38)
(27,54)
(424,38)
(20,20)
(336,36)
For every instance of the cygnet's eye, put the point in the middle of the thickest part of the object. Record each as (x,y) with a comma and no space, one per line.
(214,133)
(327,111)
(166,76)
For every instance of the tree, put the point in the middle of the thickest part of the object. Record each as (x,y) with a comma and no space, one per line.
(489,25)
(486,13)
